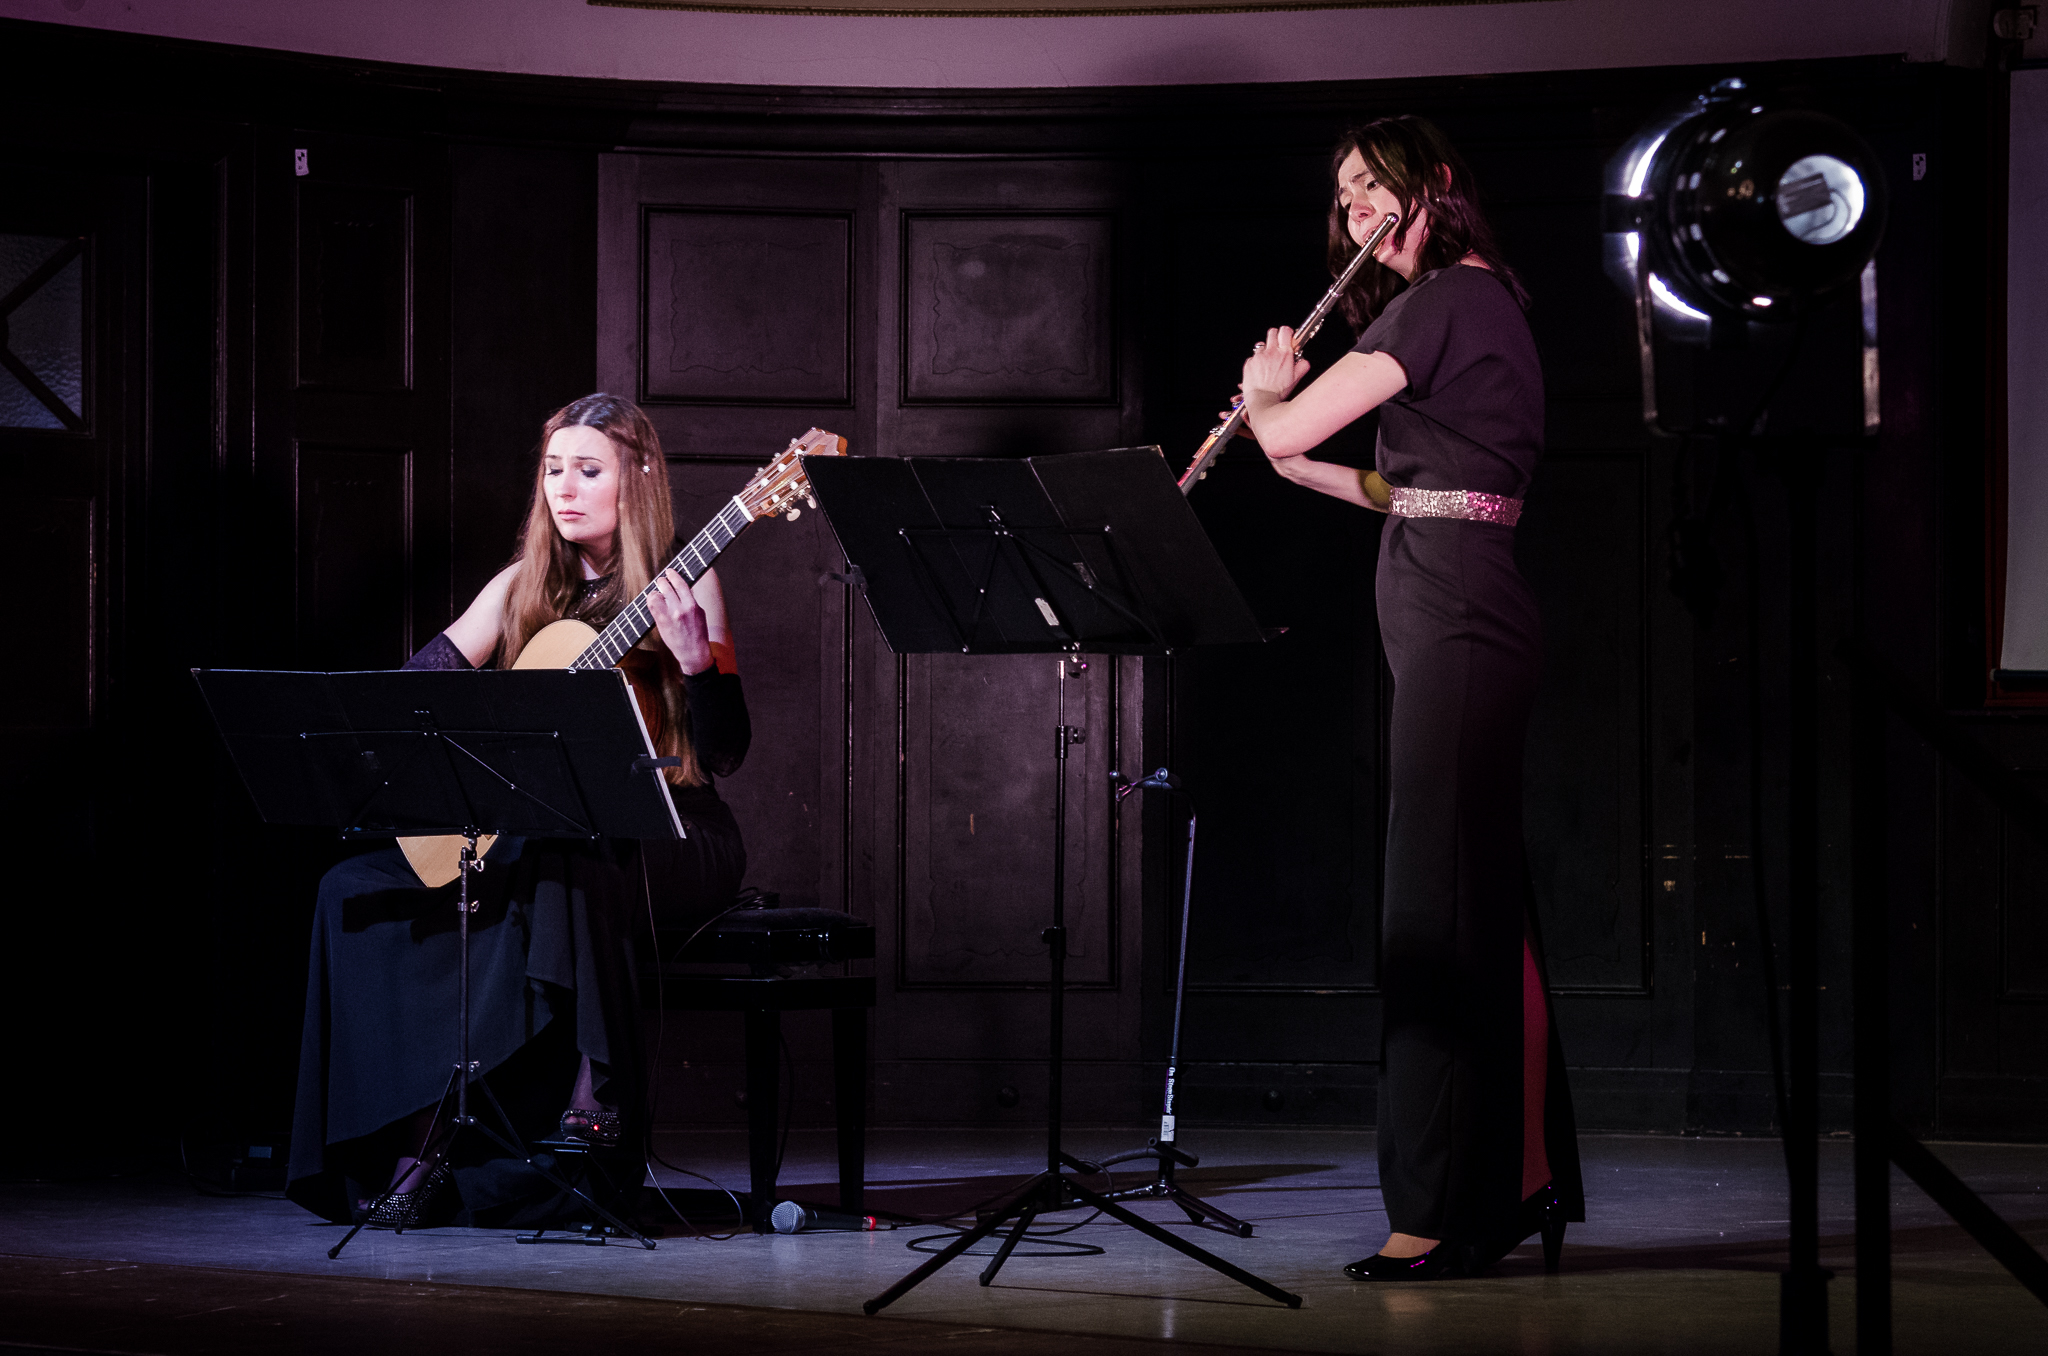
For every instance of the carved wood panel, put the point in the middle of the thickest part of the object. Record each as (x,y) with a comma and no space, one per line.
(746,307)
(1012,309)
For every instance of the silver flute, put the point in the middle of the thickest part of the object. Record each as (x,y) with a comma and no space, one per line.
(1212,446)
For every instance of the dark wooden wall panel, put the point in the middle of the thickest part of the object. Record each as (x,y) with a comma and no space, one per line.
(790,636)
(1281,744)
(2023,907)
(1586,826)
(747,308)
(755,417)
(355,549)
(1010,309)
(525,332)
(978,836)
(53,690)
(1026,216)
(355,252)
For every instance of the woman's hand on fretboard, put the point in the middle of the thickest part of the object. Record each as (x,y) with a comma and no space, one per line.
(680,621)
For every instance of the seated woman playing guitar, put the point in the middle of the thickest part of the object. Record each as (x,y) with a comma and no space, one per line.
(554,1015)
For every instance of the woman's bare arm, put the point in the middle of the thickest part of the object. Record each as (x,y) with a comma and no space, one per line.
(1285,429)
(1356,383)
(475,632)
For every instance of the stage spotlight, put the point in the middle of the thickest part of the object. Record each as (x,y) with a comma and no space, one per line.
(1728,209)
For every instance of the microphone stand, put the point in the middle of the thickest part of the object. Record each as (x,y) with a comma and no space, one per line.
(1164,1146)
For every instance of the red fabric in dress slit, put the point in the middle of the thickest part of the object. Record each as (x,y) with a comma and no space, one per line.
(1535,1076)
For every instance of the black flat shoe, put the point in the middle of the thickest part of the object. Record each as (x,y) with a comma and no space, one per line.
(1437,1264)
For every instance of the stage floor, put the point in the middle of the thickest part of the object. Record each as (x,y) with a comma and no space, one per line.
(1680,1254)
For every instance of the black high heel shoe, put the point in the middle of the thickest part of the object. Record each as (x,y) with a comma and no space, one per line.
(402,1210)
(1543,1214)
(1437,1264)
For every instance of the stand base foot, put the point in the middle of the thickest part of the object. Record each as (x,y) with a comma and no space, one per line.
(1050,1191)
(1197,1210)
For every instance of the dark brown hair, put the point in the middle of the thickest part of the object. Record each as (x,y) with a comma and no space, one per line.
(1415,162)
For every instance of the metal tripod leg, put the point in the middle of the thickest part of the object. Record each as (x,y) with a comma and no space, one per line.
(518,1150)
(431,1154)
(1021,1202)
(1197,1210)
(1083,1196)
(1009,1245)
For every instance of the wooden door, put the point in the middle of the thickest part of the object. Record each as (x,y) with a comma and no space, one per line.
(918,308)
(352,435)
(1002,297)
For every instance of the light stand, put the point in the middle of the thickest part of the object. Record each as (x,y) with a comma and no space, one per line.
(1165,1147)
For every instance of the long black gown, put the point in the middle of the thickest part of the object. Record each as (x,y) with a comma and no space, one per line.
(552,979)
(1463,637)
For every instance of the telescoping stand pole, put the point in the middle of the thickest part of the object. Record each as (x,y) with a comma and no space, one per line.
(1165,1146)
(1053,1189)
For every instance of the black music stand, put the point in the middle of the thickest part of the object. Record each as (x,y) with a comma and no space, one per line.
(560,753)
(1094,551)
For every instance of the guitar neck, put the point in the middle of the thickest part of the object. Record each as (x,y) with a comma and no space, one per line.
(636,619)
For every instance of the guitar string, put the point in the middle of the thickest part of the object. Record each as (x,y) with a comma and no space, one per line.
(615,640)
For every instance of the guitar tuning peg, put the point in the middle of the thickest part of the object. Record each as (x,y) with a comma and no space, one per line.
(811,499)
(795,513)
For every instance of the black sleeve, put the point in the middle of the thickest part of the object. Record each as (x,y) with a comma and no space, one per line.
(719,728)
(439,653)
(1415,329)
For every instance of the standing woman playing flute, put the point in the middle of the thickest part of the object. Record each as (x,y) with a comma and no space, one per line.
(1477,1147)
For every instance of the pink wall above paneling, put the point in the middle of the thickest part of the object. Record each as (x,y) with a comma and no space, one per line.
(571,38)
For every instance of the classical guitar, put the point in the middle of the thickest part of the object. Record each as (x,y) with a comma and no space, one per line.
(569,644)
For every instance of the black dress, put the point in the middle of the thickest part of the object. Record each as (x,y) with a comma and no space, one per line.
(1463,638)
(552,980)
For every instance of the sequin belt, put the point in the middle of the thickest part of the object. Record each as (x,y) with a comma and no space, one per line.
(1470,504)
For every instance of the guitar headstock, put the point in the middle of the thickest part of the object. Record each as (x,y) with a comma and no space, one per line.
(776,487)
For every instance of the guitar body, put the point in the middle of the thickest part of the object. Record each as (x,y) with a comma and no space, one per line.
(437,860)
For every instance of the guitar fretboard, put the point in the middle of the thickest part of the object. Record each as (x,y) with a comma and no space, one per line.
(635,620)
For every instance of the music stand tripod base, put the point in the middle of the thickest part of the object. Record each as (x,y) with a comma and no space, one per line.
(536,752)
(465,1074)
(1093,552)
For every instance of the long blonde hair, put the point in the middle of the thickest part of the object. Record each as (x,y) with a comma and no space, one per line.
(548,585)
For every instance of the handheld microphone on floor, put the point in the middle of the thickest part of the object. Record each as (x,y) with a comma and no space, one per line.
(790,1218)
